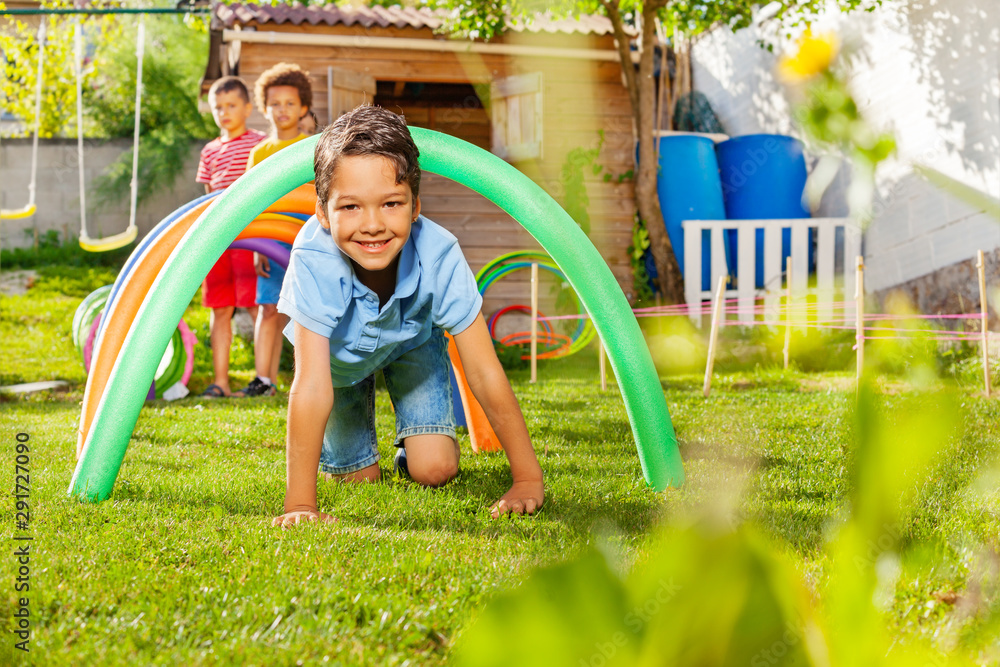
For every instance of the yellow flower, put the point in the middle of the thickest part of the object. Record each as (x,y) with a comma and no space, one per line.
(814,56)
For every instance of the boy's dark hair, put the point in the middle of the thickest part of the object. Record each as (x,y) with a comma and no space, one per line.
(283,74)
(367,130)
(229,84)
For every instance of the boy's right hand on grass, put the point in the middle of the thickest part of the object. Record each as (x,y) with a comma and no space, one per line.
(261,265)
(525,497)
(297,516)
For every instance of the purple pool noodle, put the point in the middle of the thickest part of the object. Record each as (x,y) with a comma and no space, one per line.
(268,248)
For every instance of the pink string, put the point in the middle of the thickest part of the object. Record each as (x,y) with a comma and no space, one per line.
(706,308)
(783,323)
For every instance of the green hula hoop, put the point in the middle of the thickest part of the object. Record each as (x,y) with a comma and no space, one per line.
(526,255)
(585,331)
(453,158)
(495,268)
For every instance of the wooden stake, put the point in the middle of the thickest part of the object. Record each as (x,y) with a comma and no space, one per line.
(720,293)
(983,309)
(601,365)
(534,322)
(859,322)
(788,311)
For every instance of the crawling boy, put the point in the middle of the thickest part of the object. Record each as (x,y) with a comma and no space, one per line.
(373,285)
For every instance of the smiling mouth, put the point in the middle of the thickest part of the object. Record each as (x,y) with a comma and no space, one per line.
(372,245)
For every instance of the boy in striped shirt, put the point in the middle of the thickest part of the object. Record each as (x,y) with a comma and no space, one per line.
(232,282)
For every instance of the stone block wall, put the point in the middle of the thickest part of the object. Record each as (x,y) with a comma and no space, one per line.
(58,190)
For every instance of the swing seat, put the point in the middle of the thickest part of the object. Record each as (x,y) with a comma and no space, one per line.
(17,213)
(110,242)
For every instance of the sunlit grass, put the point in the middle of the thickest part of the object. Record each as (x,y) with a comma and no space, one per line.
(180,566)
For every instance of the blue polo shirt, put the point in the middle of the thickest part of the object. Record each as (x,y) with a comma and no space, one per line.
(434,287)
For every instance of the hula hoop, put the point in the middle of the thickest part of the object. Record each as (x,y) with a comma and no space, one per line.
(497,268)
(84,314)
(496,261)
(584,333)
(522,337)
(179,368)
(501,271)
(491,323)
(166,299)
(548,334)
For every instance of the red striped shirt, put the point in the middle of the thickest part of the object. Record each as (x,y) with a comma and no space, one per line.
(222,162)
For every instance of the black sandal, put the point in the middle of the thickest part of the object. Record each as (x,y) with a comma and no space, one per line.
(213,391)
(257,387)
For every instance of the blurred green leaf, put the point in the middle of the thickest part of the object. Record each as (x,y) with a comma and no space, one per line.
(713,597)
(569,614)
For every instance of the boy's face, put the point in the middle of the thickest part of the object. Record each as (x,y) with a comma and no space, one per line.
(284,108)
(368,214)
(230,111)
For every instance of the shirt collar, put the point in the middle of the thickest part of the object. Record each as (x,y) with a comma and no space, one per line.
(408,273)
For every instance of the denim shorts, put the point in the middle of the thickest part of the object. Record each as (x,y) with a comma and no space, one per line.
(419,385)
(269,288)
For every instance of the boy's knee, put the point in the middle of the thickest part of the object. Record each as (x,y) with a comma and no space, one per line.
(432,459)
(434,472)
(268,311)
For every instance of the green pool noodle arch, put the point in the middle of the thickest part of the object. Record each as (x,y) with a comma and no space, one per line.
(483,172)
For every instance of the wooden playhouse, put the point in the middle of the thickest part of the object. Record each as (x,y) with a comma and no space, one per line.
(543,97)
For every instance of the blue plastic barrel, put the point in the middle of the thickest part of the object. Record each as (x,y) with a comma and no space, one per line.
(763,177)
(689,189)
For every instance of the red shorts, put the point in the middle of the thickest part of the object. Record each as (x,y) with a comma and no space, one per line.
(231,282)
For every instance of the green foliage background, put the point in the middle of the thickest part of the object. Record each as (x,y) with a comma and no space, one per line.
(20,48)
(173,63)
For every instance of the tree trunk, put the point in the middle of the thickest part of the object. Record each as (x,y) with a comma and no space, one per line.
(642,92)
(647,199)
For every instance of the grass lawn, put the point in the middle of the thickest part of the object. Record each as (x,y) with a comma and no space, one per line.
(181,566)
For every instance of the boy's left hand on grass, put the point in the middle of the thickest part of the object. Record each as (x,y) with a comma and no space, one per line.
(523,498)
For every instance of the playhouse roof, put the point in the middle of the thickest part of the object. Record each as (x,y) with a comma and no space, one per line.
(226,16)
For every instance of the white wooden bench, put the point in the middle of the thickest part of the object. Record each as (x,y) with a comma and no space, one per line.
(831,281)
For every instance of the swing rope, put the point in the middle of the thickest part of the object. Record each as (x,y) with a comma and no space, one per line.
(28,209)
(122,239)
